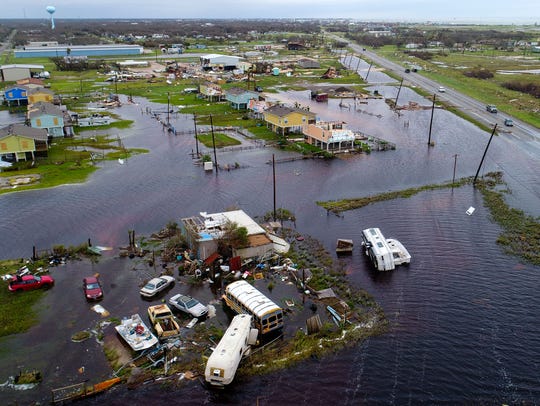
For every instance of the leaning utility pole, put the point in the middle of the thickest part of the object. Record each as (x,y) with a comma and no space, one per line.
(485,152)
(431,121)
(399,90)
(196,139)
(274,178)
(213,142)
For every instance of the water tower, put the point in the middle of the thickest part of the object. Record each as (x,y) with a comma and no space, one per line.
(51,10)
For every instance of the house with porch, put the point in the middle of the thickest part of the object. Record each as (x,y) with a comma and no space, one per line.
(40,94)
(330,136)
(203,234)
(239,98)
(16,95)
(211,91)
(285,120)
(47,116)
(19,142)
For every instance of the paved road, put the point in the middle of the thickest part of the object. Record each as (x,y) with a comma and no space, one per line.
(468,105)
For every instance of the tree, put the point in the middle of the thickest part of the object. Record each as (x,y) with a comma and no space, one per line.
(233,237)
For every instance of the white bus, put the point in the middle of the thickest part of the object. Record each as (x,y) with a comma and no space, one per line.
(233,346)
(244,298)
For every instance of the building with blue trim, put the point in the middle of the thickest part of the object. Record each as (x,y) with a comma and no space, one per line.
(77,50)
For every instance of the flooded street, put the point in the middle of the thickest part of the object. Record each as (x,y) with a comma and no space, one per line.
(463,315)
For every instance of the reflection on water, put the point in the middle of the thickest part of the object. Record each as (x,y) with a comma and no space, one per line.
(463,314)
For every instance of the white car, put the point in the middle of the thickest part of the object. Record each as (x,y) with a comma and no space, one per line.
(156,285)
(188,305)
(442,89)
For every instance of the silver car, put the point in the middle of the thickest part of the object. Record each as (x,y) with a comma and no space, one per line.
(156,285)
(188,305)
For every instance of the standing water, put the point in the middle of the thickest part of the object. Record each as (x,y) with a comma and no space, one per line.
(463,314)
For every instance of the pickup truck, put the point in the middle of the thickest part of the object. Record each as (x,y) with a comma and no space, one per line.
(491,108)
(163,321)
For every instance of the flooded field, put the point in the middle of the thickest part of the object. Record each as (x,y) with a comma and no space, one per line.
(463,314)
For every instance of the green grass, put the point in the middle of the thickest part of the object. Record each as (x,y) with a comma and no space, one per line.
(17,312)
(221,140)
(69,161)
(447,69)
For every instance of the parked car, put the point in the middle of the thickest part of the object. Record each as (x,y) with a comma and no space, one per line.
(156,285)
(491,108)
(442,89)
(188,305)
(92,288)
(28,282)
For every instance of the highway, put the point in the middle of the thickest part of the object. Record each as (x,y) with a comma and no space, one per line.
(468,105)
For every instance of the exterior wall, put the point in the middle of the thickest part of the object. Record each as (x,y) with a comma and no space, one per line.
(13,74)
(76,51)
(15,144)
(53,124)
(291,121)
(251,252)
(40,97)
(16,93)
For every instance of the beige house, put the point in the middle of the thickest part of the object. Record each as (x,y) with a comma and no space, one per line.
(331,136)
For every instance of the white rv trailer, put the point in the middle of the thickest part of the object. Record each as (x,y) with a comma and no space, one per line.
(384,253)
(233,346)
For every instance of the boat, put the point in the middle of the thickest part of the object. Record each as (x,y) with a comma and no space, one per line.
(81,390)
(344,246)
(136,333)
(385,253)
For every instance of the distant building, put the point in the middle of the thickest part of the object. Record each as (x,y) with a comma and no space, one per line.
(14,72)
(77,50)
(220,62)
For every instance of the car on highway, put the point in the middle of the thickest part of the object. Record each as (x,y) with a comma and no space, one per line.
(491,108)
(442,89)
(92,288)
(189,305)
(156,285)
(508,122)
(28,282)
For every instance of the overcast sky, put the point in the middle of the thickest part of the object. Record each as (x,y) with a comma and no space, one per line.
(483,11)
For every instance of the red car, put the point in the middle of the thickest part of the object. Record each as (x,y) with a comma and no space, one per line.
(27,282)
(92,288)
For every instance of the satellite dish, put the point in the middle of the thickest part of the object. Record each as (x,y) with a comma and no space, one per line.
(51,10)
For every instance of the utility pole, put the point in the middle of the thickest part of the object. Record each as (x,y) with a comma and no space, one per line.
(399,90)
(196,139)
(274,177)
(369,69)
(213,142)
(168,110)
(454,175)
(485,152)
(431,121)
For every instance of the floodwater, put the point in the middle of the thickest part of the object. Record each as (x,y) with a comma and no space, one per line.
(463,315)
